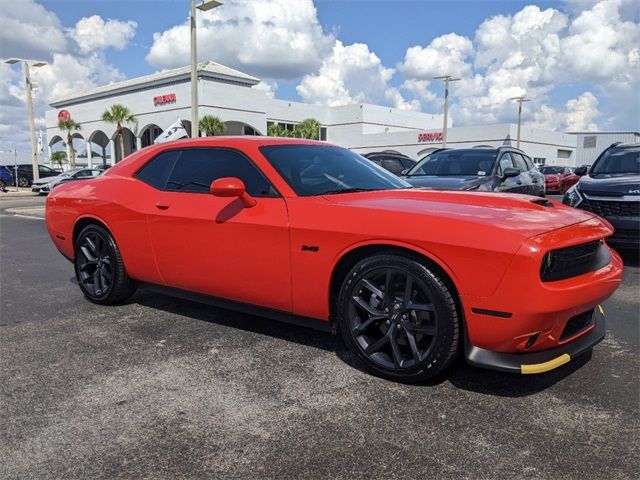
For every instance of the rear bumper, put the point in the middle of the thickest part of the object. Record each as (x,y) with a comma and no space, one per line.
(542,361)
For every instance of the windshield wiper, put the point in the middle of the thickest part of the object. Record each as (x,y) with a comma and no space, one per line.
(345,190)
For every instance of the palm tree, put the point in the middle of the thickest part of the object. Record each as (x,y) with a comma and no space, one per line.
(119,114)
(69,126)
(309,129)
(211,125)
(277,130)
(59,157)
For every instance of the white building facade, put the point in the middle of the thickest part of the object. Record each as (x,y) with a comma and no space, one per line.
(591,144)
(158,100)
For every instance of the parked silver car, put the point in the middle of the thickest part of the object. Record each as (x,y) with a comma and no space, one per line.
(45,185)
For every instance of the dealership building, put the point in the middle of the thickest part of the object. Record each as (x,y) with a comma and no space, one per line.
(158,100)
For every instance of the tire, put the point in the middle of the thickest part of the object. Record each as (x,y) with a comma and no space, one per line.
(3,186)
(563,189)
(378,327)
(23,182)
(99,268)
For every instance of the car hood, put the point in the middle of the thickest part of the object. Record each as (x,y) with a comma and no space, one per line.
(522,215)
(552,176)
(446,183)
(610,185)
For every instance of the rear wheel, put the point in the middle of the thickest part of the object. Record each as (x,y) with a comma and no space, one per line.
(399,318)
(99,268)
(23,182)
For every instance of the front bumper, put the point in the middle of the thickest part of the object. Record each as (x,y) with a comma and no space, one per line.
(541,361)
(40,188)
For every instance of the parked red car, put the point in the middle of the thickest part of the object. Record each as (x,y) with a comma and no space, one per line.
(558,179)
(312,233)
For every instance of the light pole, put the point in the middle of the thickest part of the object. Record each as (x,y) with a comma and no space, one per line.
(520,101)
(32,128)
(204,6)
(446,79)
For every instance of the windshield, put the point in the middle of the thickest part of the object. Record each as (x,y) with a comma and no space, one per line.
(618,161)
(318,169)
(458,163)
(552,170)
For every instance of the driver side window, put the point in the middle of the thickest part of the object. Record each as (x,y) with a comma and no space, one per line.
(505,162)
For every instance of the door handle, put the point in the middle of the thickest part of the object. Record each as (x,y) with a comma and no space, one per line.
(519,183)
(162,206)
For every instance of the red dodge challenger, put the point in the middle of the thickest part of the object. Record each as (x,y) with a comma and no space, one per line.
(313,233)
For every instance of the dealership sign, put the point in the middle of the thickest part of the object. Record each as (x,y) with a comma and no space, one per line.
(64,115)
(164,99)
(430,137)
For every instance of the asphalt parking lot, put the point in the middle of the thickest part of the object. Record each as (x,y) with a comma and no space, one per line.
(164,388)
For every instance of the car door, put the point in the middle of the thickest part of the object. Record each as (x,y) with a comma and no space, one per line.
(214,245)
(508,185)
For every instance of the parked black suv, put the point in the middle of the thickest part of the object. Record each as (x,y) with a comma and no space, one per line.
(391,160)
(486,169)
(25,173)
(611,189)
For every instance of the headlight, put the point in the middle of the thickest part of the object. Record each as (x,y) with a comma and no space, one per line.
(573,198)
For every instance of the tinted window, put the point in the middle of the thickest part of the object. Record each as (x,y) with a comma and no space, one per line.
(393,165)
(552,170)
(456,163)
(316,169)
(519,162)
(87,173)
(156,172)
(617,161)
(529,162)
(406,163)
(505,162)
(43,169)
(196,168)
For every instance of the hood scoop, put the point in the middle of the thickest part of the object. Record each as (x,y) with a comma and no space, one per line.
(543,202)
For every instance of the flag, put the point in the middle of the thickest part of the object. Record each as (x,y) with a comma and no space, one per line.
(174,132)
(40,141)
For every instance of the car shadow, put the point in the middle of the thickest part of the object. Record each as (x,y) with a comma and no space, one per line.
(460,375)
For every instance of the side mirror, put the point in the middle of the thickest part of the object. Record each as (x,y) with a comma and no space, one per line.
(510,172)
(232,187)
(580,171)
(405,171)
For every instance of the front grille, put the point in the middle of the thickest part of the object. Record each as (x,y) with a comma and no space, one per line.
(572,261)
(576,324)
(611,208)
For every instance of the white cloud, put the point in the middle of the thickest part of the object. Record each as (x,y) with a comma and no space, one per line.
(28,30)
(532,53)
(72,67)
(577,115)
(268,87)
(277,39)
(445,55)
(352,74)
(93,33)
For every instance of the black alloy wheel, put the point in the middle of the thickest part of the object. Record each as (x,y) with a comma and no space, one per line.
(399,317)
(99,268)
(23,182)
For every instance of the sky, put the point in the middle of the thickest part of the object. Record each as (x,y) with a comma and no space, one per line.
(577,60)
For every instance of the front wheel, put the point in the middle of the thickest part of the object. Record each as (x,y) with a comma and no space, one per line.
(399,317)
(99,267)
(3,186)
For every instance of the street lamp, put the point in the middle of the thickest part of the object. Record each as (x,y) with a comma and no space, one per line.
(520,101)
(32,128)
(204,6)
(446,79)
